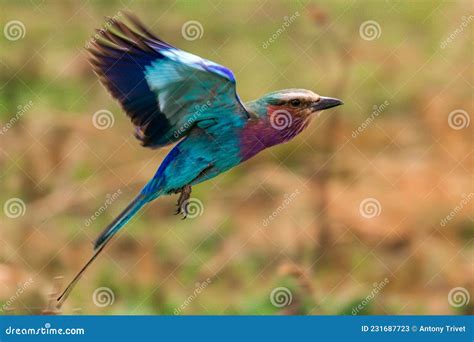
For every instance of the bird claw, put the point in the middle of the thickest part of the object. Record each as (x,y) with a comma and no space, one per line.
(185,194)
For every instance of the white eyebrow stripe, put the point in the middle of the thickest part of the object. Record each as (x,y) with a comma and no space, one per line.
(300,95)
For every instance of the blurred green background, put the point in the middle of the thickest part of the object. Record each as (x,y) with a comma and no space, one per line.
(358,202)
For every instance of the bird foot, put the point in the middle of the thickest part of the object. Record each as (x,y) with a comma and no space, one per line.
(181,205)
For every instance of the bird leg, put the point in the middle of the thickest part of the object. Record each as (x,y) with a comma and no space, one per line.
(185,194)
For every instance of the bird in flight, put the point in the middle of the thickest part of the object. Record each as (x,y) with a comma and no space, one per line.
(172,96)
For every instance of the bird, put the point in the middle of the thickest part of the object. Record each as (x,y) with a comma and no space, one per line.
(175,97)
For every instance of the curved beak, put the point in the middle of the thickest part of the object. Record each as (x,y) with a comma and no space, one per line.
(326,103)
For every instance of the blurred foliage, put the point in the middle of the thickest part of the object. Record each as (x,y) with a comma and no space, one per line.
(319,246)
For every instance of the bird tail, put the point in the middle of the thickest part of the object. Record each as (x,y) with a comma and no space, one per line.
(105,237)
(120,221)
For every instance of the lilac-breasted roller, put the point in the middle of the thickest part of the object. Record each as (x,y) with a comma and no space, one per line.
(172,96)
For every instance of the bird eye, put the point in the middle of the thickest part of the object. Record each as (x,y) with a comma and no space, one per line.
(295,103)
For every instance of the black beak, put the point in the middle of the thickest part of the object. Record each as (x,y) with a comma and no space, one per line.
(326,103)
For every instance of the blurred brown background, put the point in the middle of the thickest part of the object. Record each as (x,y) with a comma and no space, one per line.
(369,211)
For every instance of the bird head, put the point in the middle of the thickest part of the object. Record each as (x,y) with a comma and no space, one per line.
(299,103)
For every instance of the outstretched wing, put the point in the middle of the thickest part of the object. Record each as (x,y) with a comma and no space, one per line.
(165,91)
